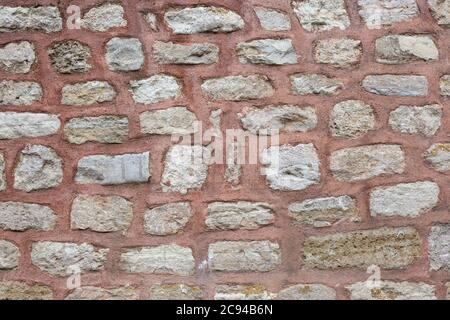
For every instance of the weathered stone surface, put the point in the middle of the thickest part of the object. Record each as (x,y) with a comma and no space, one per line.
(103,129)
(242,292)
(101,213)
(351,119)
(404,199)
(365,162)
(25,124)
(244,256)
(340,53)
(440,10)
(70,57)
(104,17)
(396,85)
(39,18)
(167,219)
(190,20)
(197,53)
(448,290)
(151,20)
(390,290)
(114,169)
(424,120)
(324,212)
(267,51)
(185,167)
(388,248)
(378,13)
(87,93)
(273,19)
(438,156)
(238,215)
(444,85)
(18,93)
(9,255)
(179,291)
(96,293)
(124,54)
(439,247)
(398,49)
(283,118)
(238,88)
(321,15)
(2,172)
(19,216)
(39,167)
(157,88)
(164,259)
(291,167)
(18,290)
(57,258)
(174,120)
(307,292)
(303,84)
(17,57)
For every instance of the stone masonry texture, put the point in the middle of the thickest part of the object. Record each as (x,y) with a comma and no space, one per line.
(112,123)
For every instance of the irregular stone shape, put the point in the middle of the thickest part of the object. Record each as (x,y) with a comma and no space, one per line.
(424,120)
(390,290)
(157,88)
(351,119)
(242,292)
(185,167)
(244,256)
(404,199)
(104,17)
(174,120)
(38,18)
(439,247)
(396,85)
(103,129)
(9,255)
(273,19)
(114,169)
(39,167)
(275,118)
(321,15)
(70,57)
(151,20)
(340,53)
(2,172)
(101,213)
(307,292)
(15,125)
(59,258)
(19,93)
(267,51)
(398,49)
(440,10)
(17,57)
(87,93)
(291,167)
(388,248)
(238,88)
(190,20)
(238,215)
(19,216)
(438,156)
(179,291)
(124,54)
(97,293)
(444,85)
(325,212)
(366,162)
(18,290)
(197,53)
(167,219)
(303,84)
(378,13)
(164,259)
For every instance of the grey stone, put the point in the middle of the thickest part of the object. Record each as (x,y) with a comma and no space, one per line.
(167,219)
(97,293)
(19,290)
(351,119)
(178,291)
(39,18)
(438,156)
(69,57)
(20,216)
(304,84)
(396,85)
(273,19)
(424,120)
(340,53)
(17,57)
(151,20)
(19,93)
(124,54)
(390,290)
(378,13)
(307,292)
(87,93)
(157,88)
(15,125)
(439,247)
(103,129)
(444,84)
(197,53)
(242,292)
(267,51)
(174,120)
(104,17)
(398,49)
(440,10)
(9,255)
